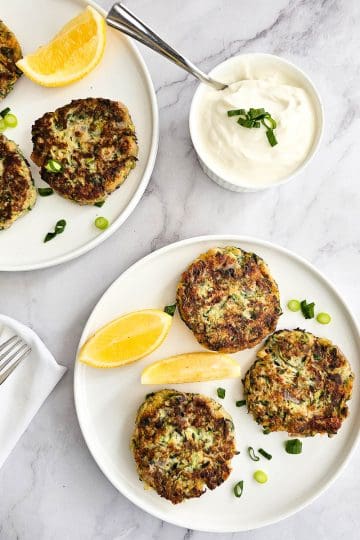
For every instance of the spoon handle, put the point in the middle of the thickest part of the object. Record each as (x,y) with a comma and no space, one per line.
(121,18)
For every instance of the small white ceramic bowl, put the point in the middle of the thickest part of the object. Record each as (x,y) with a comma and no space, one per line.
(263,61)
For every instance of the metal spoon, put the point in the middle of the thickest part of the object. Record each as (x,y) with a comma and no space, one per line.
(121,18)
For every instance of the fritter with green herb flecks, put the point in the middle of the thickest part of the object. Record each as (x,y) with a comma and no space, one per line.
(182,443)
(92,144)
(299,383)
(229,299)
(10,53)
(17,191)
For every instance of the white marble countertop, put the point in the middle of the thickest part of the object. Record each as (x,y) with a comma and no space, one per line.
(50,487)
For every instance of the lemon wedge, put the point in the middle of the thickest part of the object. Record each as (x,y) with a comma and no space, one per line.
(72,54)
(191,367)
(126,339)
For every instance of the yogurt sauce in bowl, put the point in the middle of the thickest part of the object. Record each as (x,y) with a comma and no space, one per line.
(241,158)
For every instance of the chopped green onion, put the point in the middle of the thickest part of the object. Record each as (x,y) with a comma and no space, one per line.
(266,431)
(4,112)
(246,122)
(241,403)
(239,488)
(253,118)
(99,204)
(307,309)
(2,124)
(323,318)
(236,112)
(101,223)
(252,454)
(265,454)
(53,166)
(59,228)
(293,446)
(256,113)
(10,120)
(170,310)
(268,122)
(45,191)
(271,137)
(294,305)
(221,392)
(49,236)
(260,476)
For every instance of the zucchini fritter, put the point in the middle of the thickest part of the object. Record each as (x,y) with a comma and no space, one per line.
(93,140)
(10,53)
(299,383)
(17,191)
(182,442)
(228,298)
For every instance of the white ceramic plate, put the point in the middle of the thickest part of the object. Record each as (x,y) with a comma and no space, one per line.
(107,400)
(121,75)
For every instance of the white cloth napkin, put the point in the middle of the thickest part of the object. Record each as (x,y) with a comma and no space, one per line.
(24,391)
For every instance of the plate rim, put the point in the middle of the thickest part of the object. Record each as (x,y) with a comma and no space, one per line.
(144,260)
(134,201)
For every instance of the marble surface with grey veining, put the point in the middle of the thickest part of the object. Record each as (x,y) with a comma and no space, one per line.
(50,487)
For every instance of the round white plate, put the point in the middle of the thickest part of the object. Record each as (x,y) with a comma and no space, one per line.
(107,400)
(121,75)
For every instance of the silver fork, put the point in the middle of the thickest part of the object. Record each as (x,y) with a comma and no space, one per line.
(12,352)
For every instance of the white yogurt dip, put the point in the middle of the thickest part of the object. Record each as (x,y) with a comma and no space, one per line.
(243,156)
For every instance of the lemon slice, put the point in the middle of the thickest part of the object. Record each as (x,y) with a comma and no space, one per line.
(71,55)
(191,367)
(126,339)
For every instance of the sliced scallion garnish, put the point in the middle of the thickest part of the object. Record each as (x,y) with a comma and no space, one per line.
(323,318)
(45,191)
(4,112)
(260,476)
(268,121)
(221,392)
(10,120)
(293,305)
(253,118)
(59,228)
(170,310)
(252,454)
(271,137)
(2,124)
(307,309)
(257,113)
(293,446)
(241,403)
(239,488)
(265,454)
(101,223)
(236,112)
(99,204)
(246,122)
(266,431)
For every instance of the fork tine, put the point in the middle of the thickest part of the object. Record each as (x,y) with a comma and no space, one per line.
(7,359)
(8,342)
(4,375)
(10,349)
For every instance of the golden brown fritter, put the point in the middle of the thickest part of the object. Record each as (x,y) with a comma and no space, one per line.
(17,191)
(182,443)
(299,383)
(93,140)
(228,298)
(10,53)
